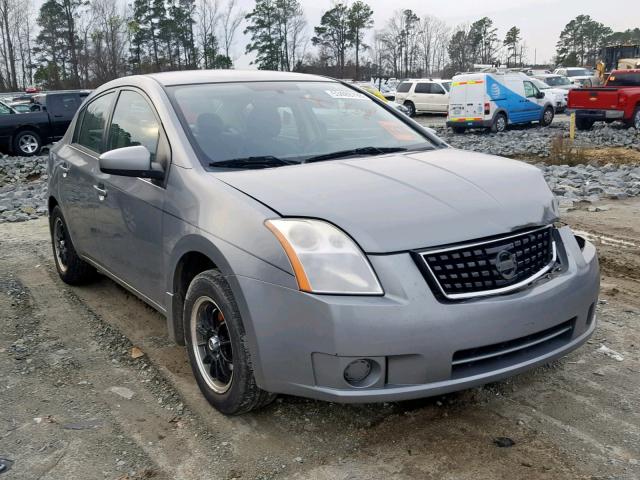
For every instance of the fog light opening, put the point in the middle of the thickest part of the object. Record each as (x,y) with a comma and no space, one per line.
(362,372)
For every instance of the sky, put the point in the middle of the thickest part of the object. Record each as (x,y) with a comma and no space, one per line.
(540,21)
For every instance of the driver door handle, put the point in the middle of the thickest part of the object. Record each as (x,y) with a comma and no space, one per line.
(102,192)
(64,168)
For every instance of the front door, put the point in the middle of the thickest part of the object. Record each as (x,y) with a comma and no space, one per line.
(79,169)
(132,208)
(532,108)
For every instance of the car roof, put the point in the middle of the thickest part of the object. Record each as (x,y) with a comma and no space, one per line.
(546,75)
(186,77)
(625,70)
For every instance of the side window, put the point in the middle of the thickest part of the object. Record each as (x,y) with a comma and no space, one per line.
(530,90)
(4,110)
(423,88)
(65,105)
(133,123)
(437,89)
(94,119)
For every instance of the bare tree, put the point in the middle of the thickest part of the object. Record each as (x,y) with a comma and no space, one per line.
(207,26)
(231,20)
(109,39)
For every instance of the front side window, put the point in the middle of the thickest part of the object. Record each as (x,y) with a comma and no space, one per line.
(133,123)
(447,86)
(293,121)
(437,89)
(404,87)
(94,119)
(4,110)
(529,90)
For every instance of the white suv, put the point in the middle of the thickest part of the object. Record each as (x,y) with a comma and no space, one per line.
(424,95)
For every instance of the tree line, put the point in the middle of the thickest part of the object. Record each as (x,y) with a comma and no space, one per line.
(84,43)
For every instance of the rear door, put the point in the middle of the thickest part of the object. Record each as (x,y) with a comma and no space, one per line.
(422,97)
(439,97)
(61,108)
(131,210)
(79,162)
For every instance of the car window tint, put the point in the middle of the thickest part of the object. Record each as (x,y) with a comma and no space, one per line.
(64,104)
(4,109)
(404,87)
(437,89)
(133,123)
(423,88)
(93,122)
(447,86)
(529,89)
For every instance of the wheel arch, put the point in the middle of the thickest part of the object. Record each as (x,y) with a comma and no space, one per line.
(192,255)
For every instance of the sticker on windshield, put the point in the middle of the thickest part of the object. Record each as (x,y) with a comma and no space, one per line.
(346,94)
(399,131)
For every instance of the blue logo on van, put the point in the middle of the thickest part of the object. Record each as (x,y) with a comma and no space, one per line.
(495,91)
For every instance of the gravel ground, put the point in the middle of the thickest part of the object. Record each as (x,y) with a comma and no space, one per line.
(23,179)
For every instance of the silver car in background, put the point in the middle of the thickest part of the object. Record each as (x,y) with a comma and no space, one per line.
(304,238)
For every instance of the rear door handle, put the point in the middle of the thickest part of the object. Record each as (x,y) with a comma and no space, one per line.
(102,192)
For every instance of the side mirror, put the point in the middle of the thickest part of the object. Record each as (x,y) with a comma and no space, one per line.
(540,95)
(130,162)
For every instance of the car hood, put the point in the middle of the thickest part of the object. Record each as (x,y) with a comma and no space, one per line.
(407,201)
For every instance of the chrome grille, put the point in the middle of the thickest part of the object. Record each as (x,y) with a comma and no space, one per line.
(490,267)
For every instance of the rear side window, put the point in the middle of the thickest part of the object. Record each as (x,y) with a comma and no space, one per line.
(94,120)
(423,88)
(65,105)
(624,80)
(404,87)
(133,123)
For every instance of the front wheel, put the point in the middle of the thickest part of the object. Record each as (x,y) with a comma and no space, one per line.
(217,348)
(635,119)
(547,117)
(27,143)
(411,107)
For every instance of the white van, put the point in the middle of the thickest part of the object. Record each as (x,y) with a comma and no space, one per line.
(424,95)
(495,100)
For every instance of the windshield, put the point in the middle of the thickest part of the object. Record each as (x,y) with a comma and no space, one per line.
(291,121)
(578,72)
(557,81)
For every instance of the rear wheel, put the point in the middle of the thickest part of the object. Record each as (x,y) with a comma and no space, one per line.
(547,117)
(217,348)
(584,123)
(411,107)
(27,143)
(499,123)
(71,268)
(635,119)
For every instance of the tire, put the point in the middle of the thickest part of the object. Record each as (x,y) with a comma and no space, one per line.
(499,123)
(547,117)
(71,268)
(458,129)
(634,121)
(27,143)
(584,123)
(217,348)
(411,107)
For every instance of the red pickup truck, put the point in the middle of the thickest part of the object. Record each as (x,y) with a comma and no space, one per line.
(618,99)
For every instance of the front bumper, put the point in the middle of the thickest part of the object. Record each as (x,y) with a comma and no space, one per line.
(301,342)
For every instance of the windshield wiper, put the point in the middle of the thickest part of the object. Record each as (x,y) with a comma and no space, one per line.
(264,161)
(354,151)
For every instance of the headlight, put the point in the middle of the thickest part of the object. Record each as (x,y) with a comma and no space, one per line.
(324,259)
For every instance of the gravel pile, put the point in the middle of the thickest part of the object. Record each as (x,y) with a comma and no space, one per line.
(591,183)
(23,188)
(536,141)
